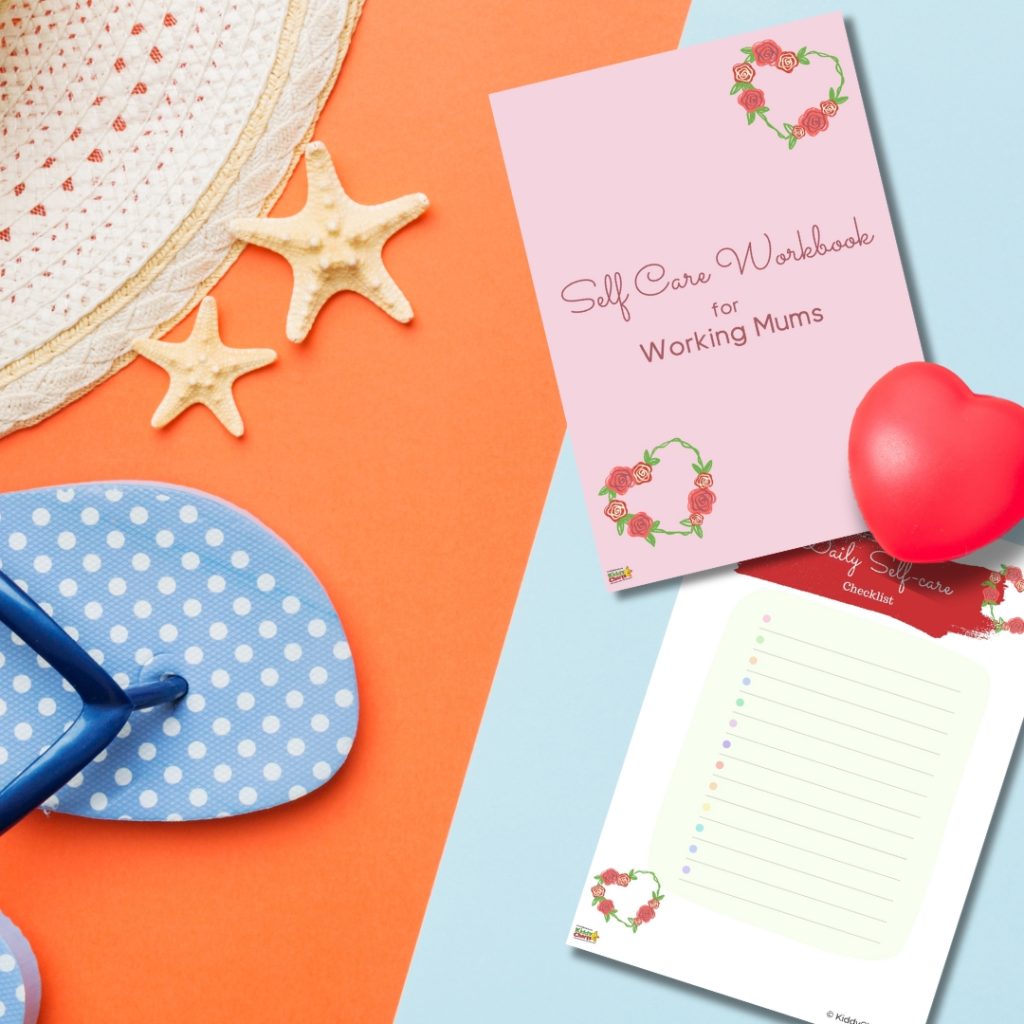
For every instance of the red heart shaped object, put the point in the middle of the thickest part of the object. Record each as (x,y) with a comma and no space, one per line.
(937,470)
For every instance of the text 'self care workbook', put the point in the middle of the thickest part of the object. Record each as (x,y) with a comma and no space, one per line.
(720,284)
(811,778)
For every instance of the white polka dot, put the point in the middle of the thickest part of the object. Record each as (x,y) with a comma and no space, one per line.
(90,516)
(122,680)
(126,731)
(271,724)
(117,586)
(115,539)
(272,772)
(294,699)
(7,963)
(218,630)
(171,727)
(76,781)
(214,538)
(3,755)
(197,797)
(222,773)
(174,817)
(243,653)
(265,582)
(68,587)
(166,585)
(17,541)
(192,607)
(220,678)
(172,775)
(246,748)
(269,677)
(143,656)
(342,651)
(317,627)
(319,723)
(66,540)
(23,731)
(247,796)
(123,776)
(66,494)
(197,750)
(343,698)
(141,562)
(190,560)
(296,747)
(344,745)
(245,701)
(240,559)
(168,633)
(193,655)
(147,751)
(241,606)
(296,792)
(221,726)
(98,801)
(188,513)
(42,563)
(321,770)
(148,798)
(21,684)
(195,702)
(119,634)
(113,494)
(291,604)
(93,610)
(318,675)
(164,538)
(92,563)
(139,515)
(267,629)
(292,652)
(216,584)
(47,707)
(142,609)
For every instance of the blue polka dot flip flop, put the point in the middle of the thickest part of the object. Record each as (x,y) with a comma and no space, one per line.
(165,657)
(20,987)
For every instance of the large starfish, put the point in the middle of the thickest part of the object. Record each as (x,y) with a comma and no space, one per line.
(334,244)
(202,370)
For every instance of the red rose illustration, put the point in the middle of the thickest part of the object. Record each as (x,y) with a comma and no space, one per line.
(615,510)
(610,877)
(829,108)
(813,121)
(654,904)
(620,479)
(799,132)
(701,500)
(642,473)
(787,62)
(767,52)
(605,906)
(696,518)
(1015,625)
(995,577)
(743,72)
(597,891)
(988,594)
(1016,577)
(704,480)
(640,525)
(751,100)
(645,913)
(623,879)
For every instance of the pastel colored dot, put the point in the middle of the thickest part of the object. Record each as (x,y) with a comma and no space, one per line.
(706,807)
(753,660)
(740,702)
(732,723)
(760,639)
(719,764)
(686,870)
(746,680)
(693,849)
(766,618)
(700,828)
(712,785)
(726,744)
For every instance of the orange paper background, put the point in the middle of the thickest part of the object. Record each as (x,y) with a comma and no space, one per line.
(408,466)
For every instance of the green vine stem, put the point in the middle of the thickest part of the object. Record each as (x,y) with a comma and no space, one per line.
(839,68)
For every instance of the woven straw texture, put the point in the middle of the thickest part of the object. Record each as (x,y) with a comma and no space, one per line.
(131,133)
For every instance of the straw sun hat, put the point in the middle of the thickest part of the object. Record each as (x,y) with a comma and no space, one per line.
(131,133)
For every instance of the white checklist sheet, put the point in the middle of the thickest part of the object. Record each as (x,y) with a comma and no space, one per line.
(804,800)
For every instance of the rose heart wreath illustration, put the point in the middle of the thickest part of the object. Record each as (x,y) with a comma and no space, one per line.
(768,54)
(700,501)
(606,904)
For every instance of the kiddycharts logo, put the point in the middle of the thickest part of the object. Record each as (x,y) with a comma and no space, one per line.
(845,1018)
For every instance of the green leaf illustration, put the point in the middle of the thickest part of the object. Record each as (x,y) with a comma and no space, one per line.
(792,141)
(620,526)
(709,464)
(744,86)
(697,530)
(788,127)
(735,89)
(831,93)
(651,539)
(749,60)
(842,99)
(696,467)
(647,456)
(656,524)
(654,461)
(749,50)
(750,118)
(801,53)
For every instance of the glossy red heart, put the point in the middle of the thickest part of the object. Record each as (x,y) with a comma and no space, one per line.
(937,470)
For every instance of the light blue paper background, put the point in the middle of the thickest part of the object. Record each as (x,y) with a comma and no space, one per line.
(939,79)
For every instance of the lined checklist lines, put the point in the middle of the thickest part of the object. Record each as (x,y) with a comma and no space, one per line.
(826,768)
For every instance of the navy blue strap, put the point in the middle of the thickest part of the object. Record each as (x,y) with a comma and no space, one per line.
(105,706)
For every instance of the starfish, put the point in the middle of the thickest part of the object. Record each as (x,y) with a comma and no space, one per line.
(202,370)
(334,244)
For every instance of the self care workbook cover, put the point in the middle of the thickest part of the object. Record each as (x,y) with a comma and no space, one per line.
(720,284)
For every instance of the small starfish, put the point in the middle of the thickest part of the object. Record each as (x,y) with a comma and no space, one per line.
(334,244)
(202,370)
